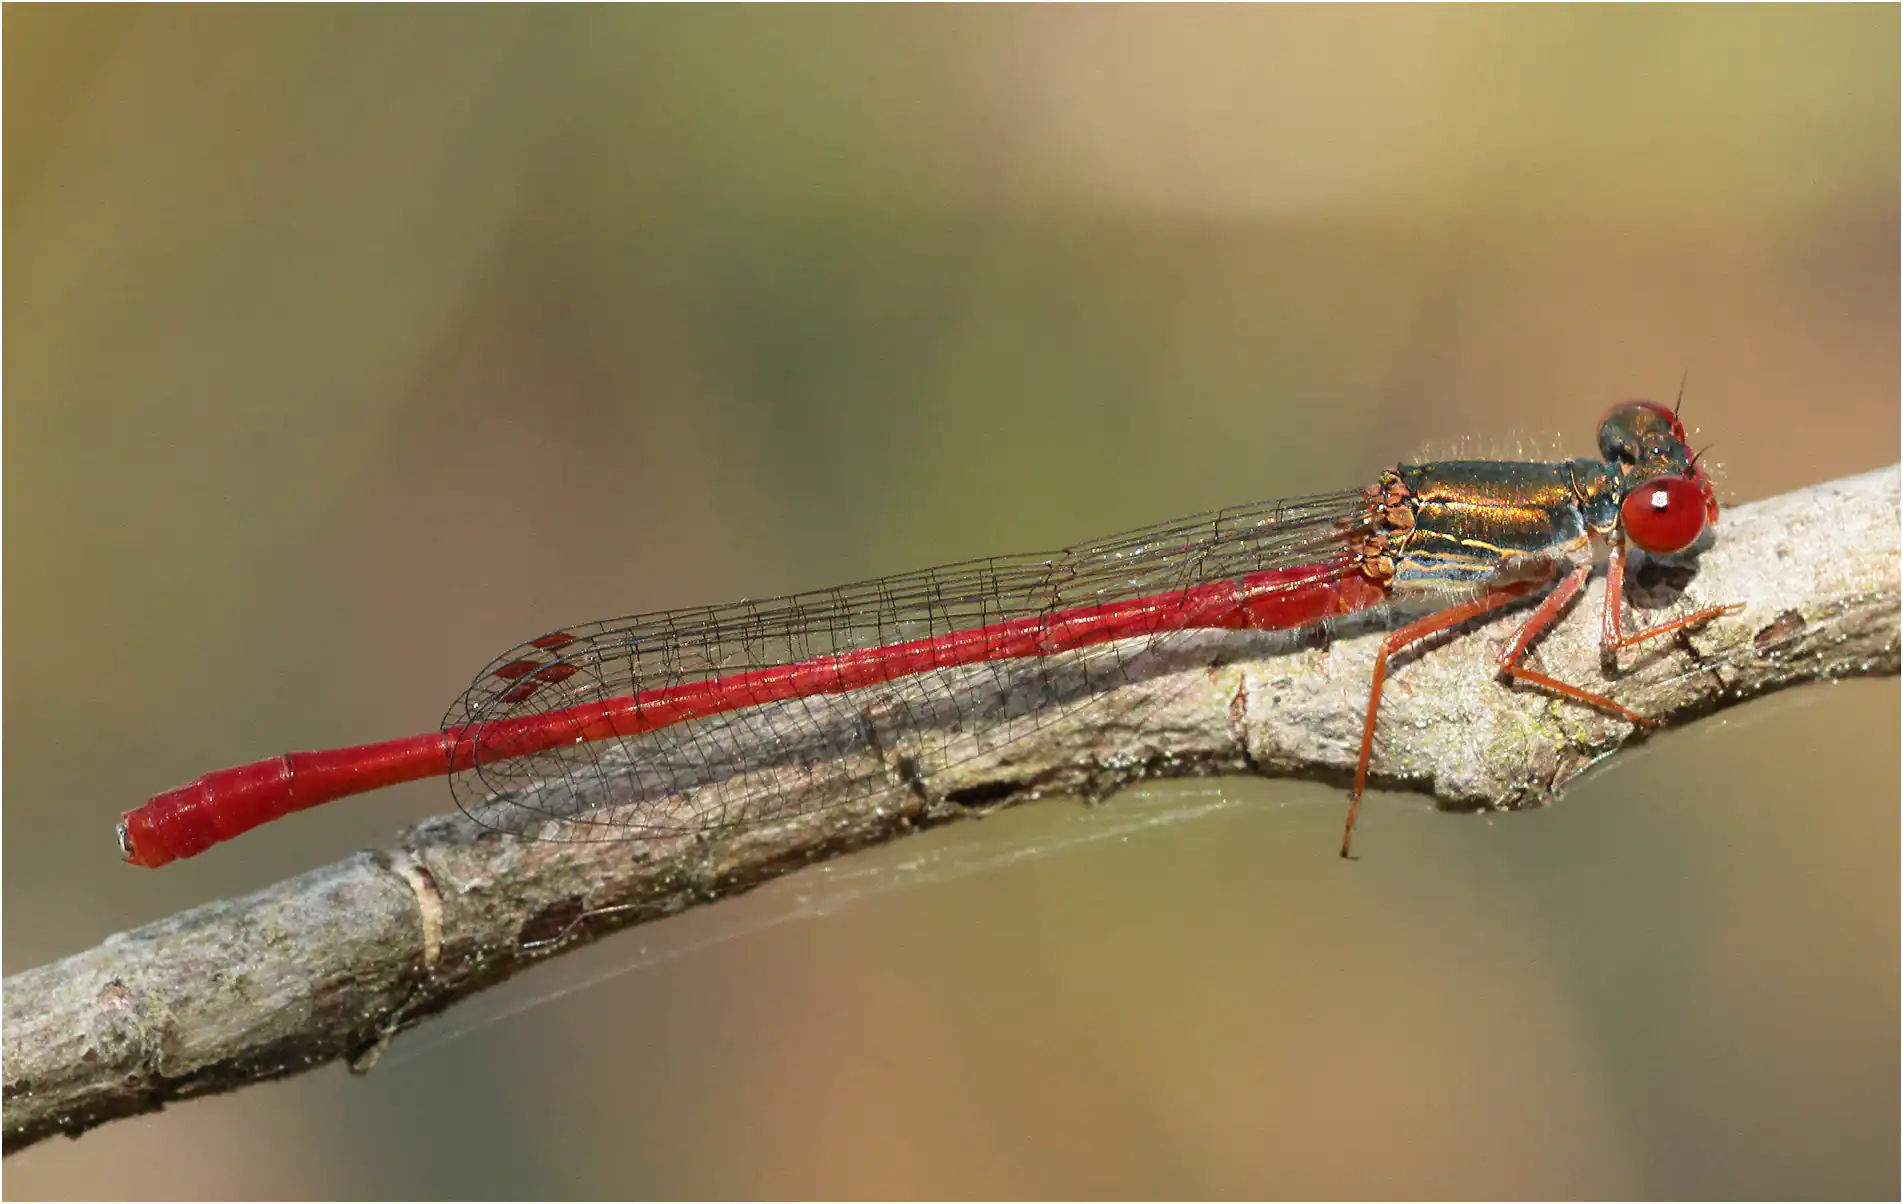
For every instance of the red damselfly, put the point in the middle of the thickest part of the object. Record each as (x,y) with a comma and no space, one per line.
(662,722)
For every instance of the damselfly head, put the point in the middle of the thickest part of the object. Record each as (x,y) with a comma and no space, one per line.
(1647,442)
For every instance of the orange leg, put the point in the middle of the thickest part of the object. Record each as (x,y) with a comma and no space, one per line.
(1414,633)
(1612,636)
(1542,618)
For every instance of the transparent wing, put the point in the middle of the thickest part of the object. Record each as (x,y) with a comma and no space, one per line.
(768,762)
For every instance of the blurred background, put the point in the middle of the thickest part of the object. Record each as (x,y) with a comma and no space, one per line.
(351,346)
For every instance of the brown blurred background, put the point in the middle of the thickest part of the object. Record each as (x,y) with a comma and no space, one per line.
(349,347)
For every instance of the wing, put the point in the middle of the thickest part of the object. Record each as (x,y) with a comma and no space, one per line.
(784,758)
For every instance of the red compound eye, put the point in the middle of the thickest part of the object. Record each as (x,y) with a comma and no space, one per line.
(1665,515)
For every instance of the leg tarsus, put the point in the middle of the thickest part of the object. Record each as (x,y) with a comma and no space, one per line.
(1698,616)
(1612,636)
(1598,701)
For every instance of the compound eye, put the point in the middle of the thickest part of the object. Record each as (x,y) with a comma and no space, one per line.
(1664,413)
(1642,415)
(1665,515)
(1635,431)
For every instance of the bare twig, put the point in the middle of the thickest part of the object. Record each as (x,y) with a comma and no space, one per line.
(334,963)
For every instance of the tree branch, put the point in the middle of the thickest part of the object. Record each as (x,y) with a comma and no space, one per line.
(334,963)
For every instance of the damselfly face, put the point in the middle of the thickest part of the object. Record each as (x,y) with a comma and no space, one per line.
(1669,497)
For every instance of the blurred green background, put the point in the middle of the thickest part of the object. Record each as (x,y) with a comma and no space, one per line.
(350,346)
